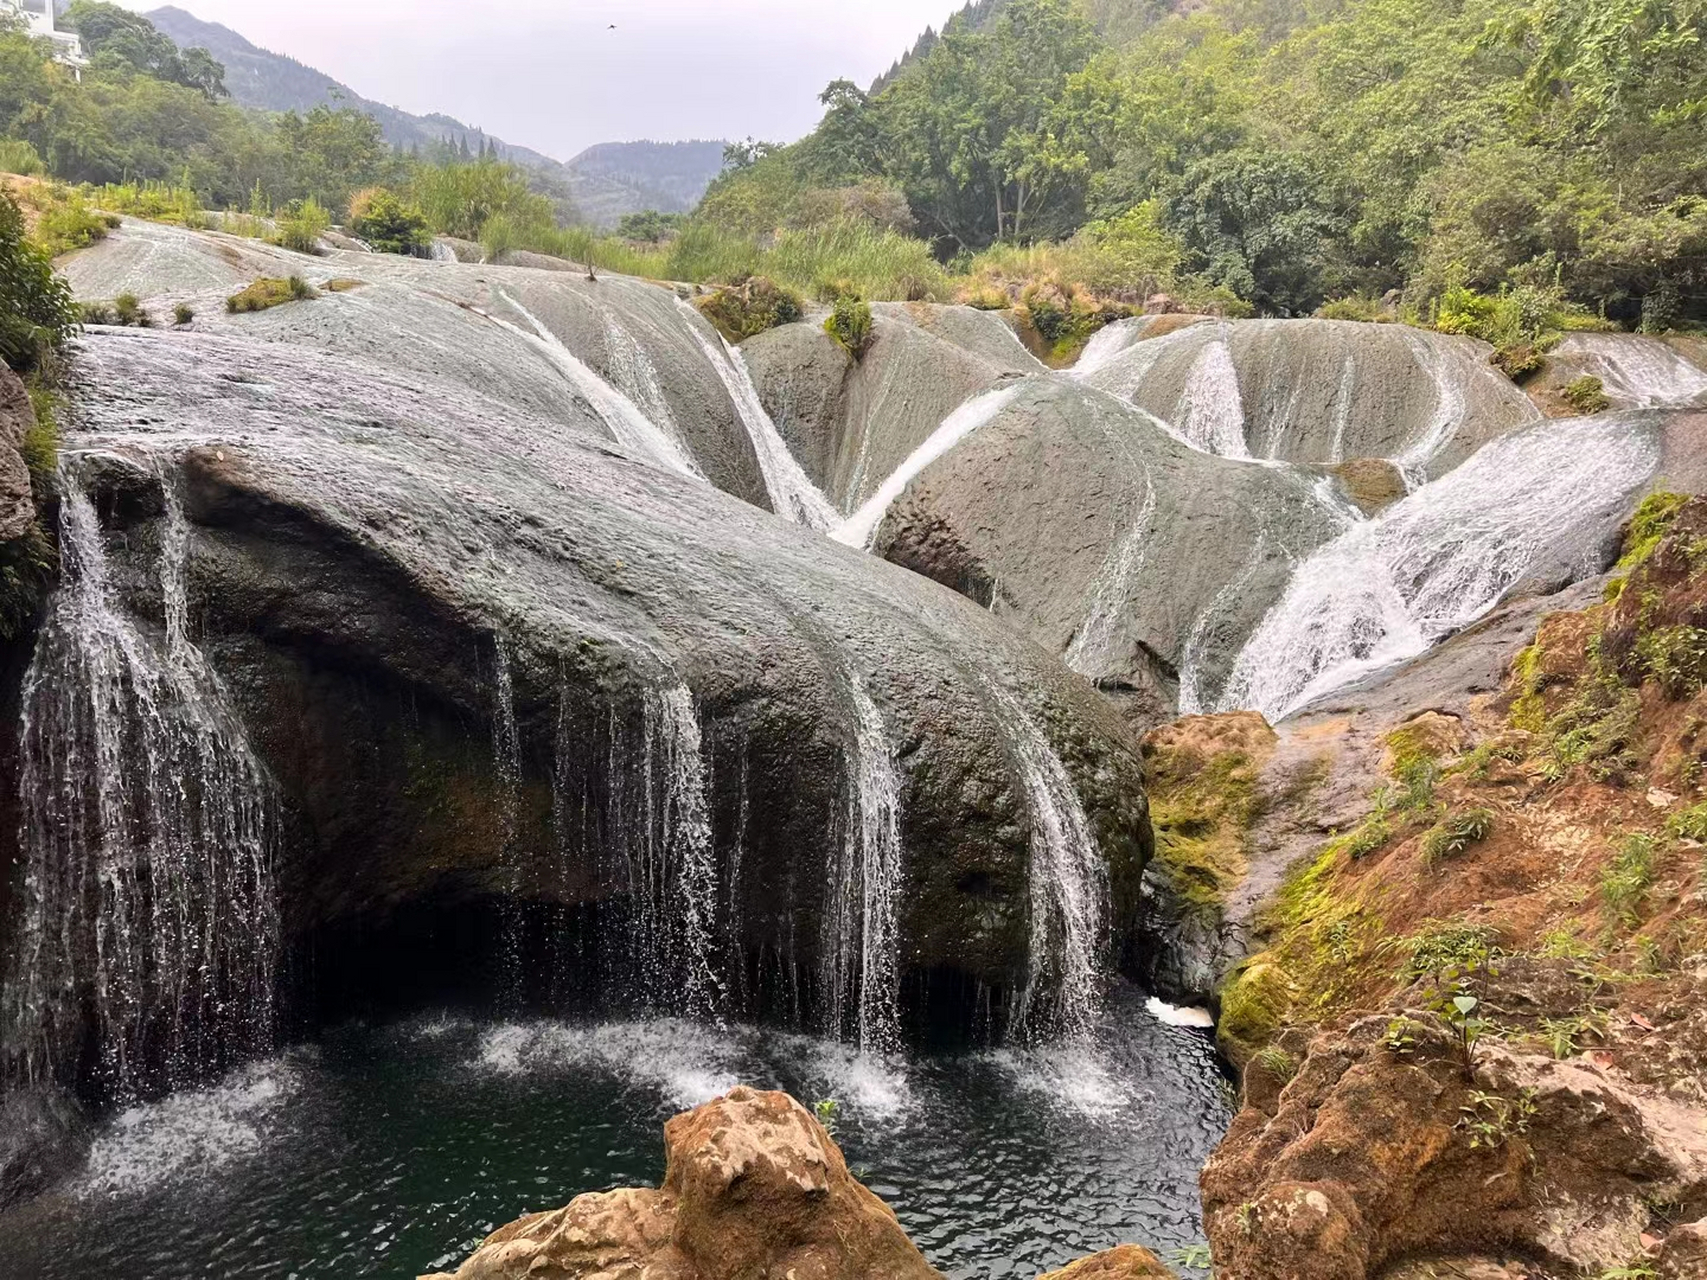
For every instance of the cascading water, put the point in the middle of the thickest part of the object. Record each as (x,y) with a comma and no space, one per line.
(1210,414)
(667,855)
(793,495)
(1108,344)
(148,838)
(861,527)
(861,971)
(442,251)
(626,422)
(1068,889)
(507,762)
(1637,371)
(1388,588)
(634,374)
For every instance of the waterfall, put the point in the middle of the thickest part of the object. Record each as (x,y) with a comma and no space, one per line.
(859,529)
(1388,588)
(626,422)
(1210,412)
(442,251)
(507,765)
(793,495)
(1069,890)
(636,377)
(668,855)
(1108,344)
(1449,405)
(861,971)
(1637,371)
(148,839)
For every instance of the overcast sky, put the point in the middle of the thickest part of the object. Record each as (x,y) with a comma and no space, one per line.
(550,74)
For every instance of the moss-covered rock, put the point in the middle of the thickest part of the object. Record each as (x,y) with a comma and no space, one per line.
(1255,1003)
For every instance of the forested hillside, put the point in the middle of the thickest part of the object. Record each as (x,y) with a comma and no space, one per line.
(604,183)
(1295,153)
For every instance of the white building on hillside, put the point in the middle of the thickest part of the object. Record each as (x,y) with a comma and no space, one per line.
(39,16)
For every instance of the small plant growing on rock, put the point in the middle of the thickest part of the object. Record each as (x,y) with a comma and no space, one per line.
(1370,837)
(744,312)
(1625,882)
(1193,1257)
(1278,1063)
(1490,1121)
(183,314)
(1400,1038)
(1689,824)
(827,1110)
(1461,1013)
(1565,1036)
(850,324)
(267,293)
(1450,838)
(1631,1271)
(1587,395)
(129,311)
(1676,658)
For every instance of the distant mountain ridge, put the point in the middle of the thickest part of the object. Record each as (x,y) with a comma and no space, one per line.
(605,181)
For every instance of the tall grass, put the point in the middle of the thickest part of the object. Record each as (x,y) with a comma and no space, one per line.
(18,156)
(152,201)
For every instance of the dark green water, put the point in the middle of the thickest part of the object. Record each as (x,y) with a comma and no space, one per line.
(388,1151)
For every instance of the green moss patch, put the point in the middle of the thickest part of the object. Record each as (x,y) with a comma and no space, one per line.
(265,294)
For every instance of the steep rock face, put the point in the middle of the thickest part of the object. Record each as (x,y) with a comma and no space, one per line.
(752,1186)
(1382,1145)
(1321,392)
(1141,560)
(852,423)
(486,658)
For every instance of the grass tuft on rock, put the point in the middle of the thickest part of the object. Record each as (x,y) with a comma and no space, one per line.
(267,293)
(745,311)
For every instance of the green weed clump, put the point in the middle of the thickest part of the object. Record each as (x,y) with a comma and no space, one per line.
(18,156)
(174,203)
(301,225)
(1690,823)
(267,293)
(1587,395)
(1625,883)
(744,312)
(1648,528)
(1454,835)
(849,324)
(386,224)
(126,311)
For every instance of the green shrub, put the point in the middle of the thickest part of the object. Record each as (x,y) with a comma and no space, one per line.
(850,324)
(386,224)
(64,220)
(758,305)
(1357,306)
(1690,823)
(1370,837)
(300,227)
(1448,952)
(267,293)
(1648,527)
(1586,395)
(1452,836)
(183,314)
(36,310)
(1675,658)
(18,156)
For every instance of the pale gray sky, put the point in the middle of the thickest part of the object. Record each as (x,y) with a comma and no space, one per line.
(551,75)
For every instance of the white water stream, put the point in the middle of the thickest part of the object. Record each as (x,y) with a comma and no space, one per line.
(1388,588)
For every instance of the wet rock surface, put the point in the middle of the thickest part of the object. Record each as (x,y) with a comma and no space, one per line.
(17,506)
(361,545)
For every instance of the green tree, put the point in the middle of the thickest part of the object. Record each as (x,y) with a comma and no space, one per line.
(387,224)
(1259,223)
(116,38)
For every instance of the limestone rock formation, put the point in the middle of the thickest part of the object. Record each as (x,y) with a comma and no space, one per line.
(753,1186)
(1383,1145)
(852,423)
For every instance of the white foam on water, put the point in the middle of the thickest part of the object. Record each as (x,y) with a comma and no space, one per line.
(861,527)
(1170,1015)
(875,1086)
(190,1134)
(686,1062)
(1074,1077)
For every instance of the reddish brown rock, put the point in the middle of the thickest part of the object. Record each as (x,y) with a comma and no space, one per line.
(1382,1148)
(1128,1262)
(753,1186)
